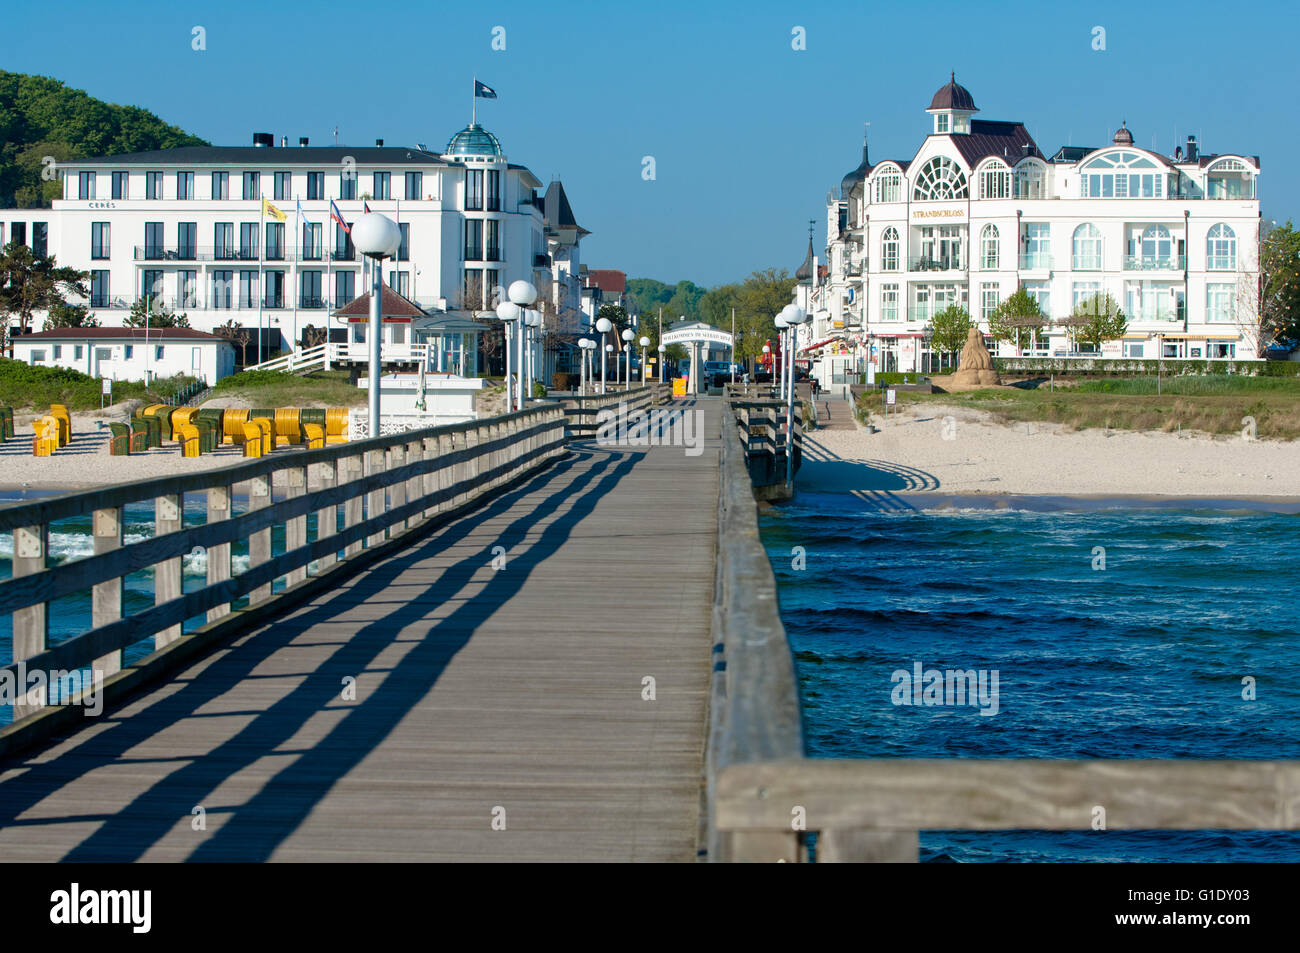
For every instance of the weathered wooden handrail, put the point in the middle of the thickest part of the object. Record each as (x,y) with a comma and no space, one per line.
(582,412)
(385,487)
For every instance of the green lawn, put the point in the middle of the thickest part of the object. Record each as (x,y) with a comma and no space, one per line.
(281,389)
(1212,403)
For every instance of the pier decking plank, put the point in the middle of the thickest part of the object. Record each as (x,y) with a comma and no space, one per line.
(476,689)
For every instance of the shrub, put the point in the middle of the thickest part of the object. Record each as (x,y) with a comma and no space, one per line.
(563,380)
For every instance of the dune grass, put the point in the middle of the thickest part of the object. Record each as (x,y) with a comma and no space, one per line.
(281,389)
(25,387)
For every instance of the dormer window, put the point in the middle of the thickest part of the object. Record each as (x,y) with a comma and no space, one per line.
(941,121)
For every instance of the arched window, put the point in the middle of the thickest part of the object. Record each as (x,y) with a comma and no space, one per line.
(1121,175)
(989,248)
(889,250)
(1221,249)
(1030,181)
(889,185)
(995,182)
(940,178)
(1157,244)
(1087,248)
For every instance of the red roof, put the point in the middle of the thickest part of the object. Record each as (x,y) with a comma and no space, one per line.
(129,334)
(392,306)
(609,280)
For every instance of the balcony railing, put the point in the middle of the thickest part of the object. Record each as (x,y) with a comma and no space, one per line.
(1035,261)
(311,302)
(225,253)
(1221,263)
(935,263)
(1154,262)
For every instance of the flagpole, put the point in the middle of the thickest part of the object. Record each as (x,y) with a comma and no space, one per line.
(297,216)
(473,102)
(261,250)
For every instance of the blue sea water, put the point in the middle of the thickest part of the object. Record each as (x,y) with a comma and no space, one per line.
(1142,659)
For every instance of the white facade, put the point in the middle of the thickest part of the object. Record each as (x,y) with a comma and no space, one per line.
(129,354)
(186,225)
(979,211)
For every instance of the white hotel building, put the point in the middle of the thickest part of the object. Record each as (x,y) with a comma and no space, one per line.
(186,224)
(979,210)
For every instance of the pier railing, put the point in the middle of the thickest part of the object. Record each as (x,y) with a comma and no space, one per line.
(583,413)
(367,496)
(765,797)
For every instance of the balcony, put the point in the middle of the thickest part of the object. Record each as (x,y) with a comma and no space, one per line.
(1154,262)
(935,263)
(221,253)
(1036,261)
(311,302)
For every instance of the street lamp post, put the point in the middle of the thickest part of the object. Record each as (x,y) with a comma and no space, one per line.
(522,293)
(377,237)
(794,316)
(663,363)
(603,325)
(509,313)
(645,343)
(627,358)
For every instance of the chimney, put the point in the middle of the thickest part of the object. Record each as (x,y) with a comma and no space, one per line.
(302,142)
(1178,153)
(379,142)
(263,140)
(1192,154)
(284,141)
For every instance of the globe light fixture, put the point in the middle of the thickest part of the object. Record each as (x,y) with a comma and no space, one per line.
(604,326)
(509,313)
(377,237)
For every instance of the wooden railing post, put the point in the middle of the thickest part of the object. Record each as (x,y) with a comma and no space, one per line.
(167,574)
(259,542)
(397,491)
(431,481)
(466,474)
(295,528)
(415,485)
(218,555)
(106,597)
(327,516)
(376,463)
(31,543)
(353,469)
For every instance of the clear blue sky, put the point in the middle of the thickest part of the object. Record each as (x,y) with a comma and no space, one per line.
(747,133)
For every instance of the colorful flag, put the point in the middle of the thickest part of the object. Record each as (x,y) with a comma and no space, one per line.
(484,91)
(338,217)
(303,215)
(365,206)
(271,210)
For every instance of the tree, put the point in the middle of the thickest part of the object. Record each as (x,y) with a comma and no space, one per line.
(1018,320)
(156,316)
(1268,305)
(761,297)
(64,315)
(30,283)
(1096,320)
(949,328)
(238,335)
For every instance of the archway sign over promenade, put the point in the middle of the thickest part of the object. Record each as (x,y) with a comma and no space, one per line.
(695,334)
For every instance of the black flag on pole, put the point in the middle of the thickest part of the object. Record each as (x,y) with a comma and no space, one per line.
(484,91)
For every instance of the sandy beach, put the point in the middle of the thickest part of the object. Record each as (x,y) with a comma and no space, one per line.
(911,454)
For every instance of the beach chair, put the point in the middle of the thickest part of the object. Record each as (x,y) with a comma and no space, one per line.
(288,428)
(181,417)
(187,438)
(336,425)
(119,441)
(267,430)
(46,440)
(6,423)
(139,435)
(252,439)
(232,425)
(314,436)
(60,413)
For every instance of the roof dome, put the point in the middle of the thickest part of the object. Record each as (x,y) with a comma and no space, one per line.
(952,96)
(805,271)
(857,175)
(473,140)
(1122,136)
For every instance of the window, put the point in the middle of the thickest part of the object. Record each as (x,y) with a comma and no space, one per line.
(151,283)
(312,248)
(404,246)
(273,289)
(473,190)
(252,186)
(158,353)
(38,357)
(889,187)
(1121,175)
(940,178)
(185,185)
(222,289)
(196,359)
(99,289)
(187,288)
(1221,349)
(1218,303)
(889,250)
(99,240)
(78,351)
(494,190)
(344,250)
(1083,292)
(344,287)
(1230,179)
(400,281)
(414,185)
(1155,250)
(995,182)
(988,300)
(1150,301)
(275,241)
(1038,246)
(1134,349)
(187,240)
(121,185)
(223,240)
(472,289)
(248,289)
(248,240)
(153,240)
(940,248)
(19,233)
(1221,249)
(85,185)
(1030,179)
(889,302)
(1041,291)
(309,289)
(921,310)
(941,122)
(58,351)
(382,185)
(283,186)
(315,185)
(40,239)
(493,240)
(220,185)
(1087,248)
(474,240)
(989,248)
(153,185)
(348,184)
(128,352)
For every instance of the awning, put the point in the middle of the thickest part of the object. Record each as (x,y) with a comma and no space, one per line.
(820,344)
